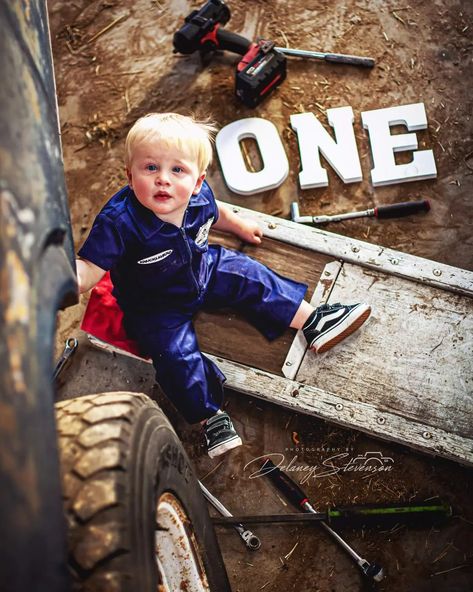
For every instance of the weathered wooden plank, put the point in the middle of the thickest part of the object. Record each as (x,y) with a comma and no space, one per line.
(229,334)
(358,415)
(414,358)
(405,377)
(308,399)
(321,295)
(366,254)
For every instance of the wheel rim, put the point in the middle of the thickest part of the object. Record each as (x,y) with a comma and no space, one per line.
(178,557)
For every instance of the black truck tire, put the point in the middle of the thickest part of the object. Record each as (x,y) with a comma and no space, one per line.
(136,518)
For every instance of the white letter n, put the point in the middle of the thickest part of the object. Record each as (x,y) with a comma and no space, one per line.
(342,153)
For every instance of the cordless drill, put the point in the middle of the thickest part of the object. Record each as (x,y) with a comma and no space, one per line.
(262,67)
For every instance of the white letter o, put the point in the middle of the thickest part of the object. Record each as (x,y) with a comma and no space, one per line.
(275,164)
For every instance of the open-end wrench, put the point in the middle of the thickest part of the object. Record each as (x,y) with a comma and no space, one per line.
(251,540)
(69,349)
(295,494)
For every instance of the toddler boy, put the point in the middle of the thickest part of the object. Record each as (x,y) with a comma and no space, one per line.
(153,237)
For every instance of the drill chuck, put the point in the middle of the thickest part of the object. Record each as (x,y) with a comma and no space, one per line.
(199,24)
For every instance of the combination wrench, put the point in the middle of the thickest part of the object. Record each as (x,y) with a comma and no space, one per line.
(251,540)
(69,349)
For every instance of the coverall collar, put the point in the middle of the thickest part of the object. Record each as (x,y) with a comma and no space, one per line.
(147,222)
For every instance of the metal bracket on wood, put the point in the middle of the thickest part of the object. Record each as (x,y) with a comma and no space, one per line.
(320,296)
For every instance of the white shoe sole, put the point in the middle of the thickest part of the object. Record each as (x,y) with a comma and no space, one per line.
(225,447)
(349,325)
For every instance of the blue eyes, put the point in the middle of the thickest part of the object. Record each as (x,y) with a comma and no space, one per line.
(152,168)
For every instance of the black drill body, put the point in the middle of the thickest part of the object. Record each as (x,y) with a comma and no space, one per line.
(260,71)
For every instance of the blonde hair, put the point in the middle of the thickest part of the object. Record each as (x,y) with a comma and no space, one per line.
(186,133)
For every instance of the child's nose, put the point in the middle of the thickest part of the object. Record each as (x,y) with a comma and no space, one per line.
(162,178)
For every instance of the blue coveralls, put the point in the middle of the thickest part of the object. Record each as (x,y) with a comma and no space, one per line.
(163,274)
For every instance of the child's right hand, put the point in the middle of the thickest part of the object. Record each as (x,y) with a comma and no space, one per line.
(250,231)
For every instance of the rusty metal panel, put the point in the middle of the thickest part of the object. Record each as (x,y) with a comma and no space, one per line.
(36,277)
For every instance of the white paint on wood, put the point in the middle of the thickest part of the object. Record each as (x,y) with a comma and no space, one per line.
(413,358)
(342,153)
(384,145)
(366,254)
(235,172)
(320,296)
(365,417)
(405,376)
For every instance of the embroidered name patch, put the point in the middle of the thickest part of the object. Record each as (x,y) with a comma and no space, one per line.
(203,233)
(155,258)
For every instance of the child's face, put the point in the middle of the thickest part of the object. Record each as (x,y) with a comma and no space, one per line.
(164,179)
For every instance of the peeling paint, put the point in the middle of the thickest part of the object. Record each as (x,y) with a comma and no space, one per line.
(15,352)
(32,93)
(26,216)
(14,218)
(17,307)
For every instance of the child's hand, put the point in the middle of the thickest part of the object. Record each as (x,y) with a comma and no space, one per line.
(250,231)
(245,228)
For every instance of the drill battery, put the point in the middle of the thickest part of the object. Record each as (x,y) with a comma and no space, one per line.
(261,70)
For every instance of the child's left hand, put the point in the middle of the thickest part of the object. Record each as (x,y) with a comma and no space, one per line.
(250,231)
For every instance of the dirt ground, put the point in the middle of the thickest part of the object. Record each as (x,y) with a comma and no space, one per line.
(114,63)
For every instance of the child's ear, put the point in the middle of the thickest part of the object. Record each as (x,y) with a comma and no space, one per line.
(198,185)
(129,177)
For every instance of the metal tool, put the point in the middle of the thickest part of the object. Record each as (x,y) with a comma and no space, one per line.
(69,349)
(397,210)
(339,58)
(263,66)
(295,494)
(411,514)
(251,540)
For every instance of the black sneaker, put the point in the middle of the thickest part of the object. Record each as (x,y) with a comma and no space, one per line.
(330,323)
(220,435)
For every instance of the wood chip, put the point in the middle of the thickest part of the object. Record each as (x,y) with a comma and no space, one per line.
(443,552)
(108,27)
(439,573)
(397,17)
(286,557)
(284,37)
(212,471)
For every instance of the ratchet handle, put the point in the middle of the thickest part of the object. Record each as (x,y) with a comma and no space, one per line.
(285,484)
(341,58)
(402,209)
